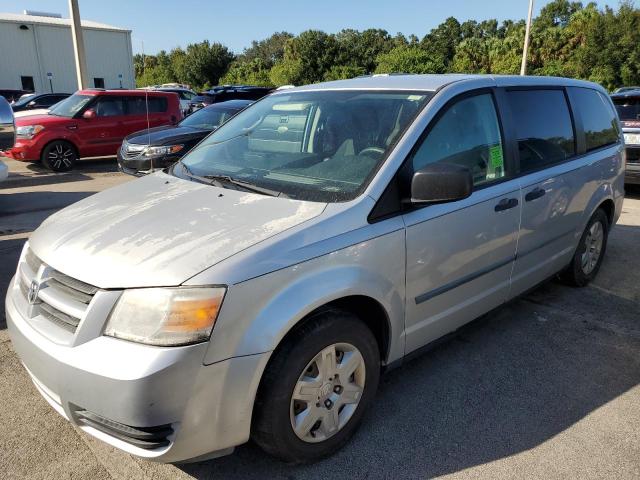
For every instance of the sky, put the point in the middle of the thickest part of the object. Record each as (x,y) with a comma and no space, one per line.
(163,24)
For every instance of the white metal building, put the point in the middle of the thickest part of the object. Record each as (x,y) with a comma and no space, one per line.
(36,52)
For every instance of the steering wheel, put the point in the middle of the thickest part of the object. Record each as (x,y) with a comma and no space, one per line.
(372,152)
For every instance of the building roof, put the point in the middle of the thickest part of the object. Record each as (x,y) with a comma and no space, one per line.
(435,82)
(63,22)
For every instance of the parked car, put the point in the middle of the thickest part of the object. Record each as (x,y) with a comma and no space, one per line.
(627,104)
(90,123)
(13,95)
(259,286)
(185,94)
(147,150)
(30,113)
(38,101)
(625,89)
(228,92)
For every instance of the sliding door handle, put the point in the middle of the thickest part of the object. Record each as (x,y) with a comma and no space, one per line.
(535,193)
(506,204)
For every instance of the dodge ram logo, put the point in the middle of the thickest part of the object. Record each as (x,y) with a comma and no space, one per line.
(32,295)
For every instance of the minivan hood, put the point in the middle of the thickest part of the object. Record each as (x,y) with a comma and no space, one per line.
(160,231)
(166,135)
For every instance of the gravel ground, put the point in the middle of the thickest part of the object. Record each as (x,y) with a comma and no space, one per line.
(546,387)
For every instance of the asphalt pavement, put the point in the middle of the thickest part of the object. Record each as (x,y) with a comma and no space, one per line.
(547,386)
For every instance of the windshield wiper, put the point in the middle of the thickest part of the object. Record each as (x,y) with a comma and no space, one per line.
(247,186)
(220,180)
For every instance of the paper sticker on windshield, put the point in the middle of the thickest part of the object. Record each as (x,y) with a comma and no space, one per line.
(495,152)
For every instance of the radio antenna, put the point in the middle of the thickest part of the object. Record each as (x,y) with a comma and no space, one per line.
(146,104)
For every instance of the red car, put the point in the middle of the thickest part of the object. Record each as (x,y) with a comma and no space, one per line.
(90,123)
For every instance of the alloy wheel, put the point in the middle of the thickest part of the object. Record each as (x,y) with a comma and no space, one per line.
(61,155)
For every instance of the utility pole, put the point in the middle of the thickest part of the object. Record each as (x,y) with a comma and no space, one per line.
(78,45)
(523,67)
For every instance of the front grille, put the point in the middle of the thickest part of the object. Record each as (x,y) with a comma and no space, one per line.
(142,437)
(61,319)
(63,300)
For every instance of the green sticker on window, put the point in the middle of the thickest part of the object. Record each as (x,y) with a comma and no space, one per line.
(495,152)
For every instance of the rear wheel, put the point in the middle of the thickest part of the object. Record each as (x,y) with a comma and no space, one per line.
(588,257)
(316,388)
(59,156)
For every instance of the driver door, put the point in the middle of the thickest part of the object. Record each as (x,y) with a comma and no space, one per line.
(460,254)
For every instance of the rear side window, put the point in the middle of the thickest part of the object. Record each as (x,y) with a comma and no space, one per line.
(157,104)
(466,134)
(543,127)
(598,118)
(109,106)
(138,105)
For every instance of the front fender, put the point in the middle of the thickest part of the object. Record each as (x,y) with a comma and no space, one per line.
(258,313)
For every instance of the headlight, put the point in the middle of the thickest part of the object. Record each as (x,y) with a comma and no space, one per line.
(28,131)
(156,151)
(165,316)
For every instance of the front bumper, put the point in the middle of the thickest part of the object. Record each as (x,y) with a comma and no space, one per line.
(25,150)
(207,408)
(139,166)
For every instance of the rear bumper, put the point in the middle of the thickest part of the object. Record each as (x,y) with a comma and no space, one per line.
(632,170)
(632,174)
(122,392)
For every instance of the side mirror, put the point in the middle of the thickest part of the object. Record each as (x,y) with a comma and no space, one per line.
(89,113)
(32,103)
(7,125)
(441,182)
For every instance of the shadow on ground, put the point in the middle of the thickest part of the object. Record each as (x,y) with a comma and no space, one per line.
(35,174)
(85,165)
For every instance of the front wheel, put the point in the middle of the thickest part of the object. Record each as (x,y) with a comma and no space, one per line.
(59,156)
(588,256)
(316,388)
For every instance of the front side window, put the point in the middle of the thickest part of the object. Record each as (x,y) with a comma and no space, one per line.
(543,127)
(467,134)
(598,118)
(71,105)
(320,146)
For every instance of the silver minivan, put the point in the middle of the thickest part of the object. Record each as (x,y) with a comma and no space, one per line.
(259,287)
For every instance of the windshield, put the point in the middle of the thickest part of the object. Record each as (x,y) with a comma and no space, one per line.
(628,108)
(320,146)
(24,101)
(70,106)
(208,118)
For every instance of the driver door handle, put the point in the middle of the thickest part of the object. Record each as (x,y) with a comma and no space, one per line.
(535,193)
(506,204)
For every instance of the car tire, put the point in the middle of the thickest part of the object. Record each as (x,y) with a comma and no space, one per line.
(59,156)
(588,257)
(294,372)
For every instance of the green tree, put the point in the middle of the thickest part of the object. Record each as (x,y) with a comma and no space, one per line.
(254,72)
(409,59)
